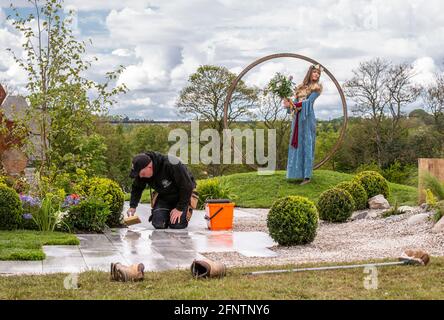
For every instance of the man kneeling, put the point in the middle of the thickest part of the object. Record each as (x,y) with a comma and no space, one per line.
(173,184)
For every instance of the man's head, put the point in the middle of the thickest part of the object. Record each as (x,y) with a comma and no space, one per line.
(142,166)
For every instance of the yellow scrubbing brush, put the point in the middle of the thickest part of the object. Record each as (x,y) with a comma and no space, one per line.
(129,221)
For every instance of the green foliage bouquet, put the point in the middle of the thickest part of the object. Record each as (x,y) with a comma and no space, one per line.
(281,86)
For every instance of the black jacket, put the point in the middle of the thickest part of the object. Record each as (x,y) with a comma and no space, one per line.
(172,181)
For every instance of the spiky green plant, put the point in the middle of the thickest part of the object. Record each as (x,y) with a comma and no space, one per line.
(432,183)
(393,211)
(49,215)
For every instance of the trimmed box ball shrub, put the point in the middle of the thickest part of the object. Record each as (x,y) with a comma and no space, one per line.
(374,183)
(335,205)
(111,193)
(357,191)
(88,215)
(10,208)
(293,220)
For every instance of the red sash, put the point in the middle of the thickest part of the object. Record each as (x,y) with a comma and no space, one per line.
(294,139)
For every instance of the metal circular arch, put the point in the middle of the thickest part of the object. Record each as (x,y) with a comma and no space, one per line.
(301,57)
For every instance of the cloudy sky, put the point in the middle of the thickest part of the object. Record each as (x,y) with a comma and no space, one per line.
(162,42)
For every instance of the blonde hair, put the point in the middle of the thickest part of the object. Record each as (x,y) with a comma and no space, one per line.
(307,86)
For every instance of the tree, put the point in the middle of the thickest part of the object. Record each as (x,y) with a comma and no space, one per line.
(433,97)
(145,137)
(205,94)
(368,89)
(326,137)
(118,153)
(61,99)
(381,90)
(357,148)
(423,115)
(204,98)
(401,91)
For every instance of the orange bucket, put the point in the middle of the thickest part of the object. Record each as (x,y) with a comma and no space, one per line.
(219,214)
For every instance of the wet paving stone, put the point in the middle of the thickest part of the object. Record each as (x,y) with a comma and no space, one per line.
(158,250)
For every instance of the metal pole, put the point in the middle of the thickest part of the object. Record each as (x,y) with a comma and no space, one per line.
(382,264)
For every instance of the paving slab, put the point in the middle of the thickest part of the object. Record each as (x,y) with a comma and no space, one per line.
(158,250)
(21,267)
(62,251)
(67,264)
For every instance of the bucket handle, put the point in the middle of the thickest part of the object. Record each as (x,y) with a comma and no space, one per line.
(217,212)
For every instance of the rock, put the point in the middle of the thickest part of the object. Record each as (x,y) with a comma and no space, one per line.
(418,218)
(358,215)
(366,214)
(373,214)
(439,226)
(395,218)
(378,202)
(407,209)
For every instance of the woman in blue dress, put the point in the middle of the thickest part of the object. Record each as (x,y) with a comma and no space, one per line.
(303,126)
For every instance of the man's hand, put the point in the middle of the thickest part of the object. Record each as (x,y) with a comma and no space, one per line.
(131,212)
(175,216)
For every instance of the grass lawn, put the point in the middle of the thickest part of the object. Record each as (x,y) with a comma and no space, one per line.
(27,245)
(395,282)
(261,191)
(254,191)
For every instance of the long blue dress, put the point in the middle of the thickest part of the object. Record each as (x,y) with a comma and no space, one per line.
(300,159)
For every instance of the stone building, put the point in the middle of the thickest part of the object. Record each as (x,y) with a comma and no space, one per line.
(13,157)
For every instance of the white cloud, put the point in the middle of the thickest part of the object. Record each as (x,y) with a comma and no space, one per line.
(264,73)
(10,71)
(163,42)
(85,4)
(424,69)
(142,101)
(236,70)
(152,72)
(179,75)
(130,26)
(122,52)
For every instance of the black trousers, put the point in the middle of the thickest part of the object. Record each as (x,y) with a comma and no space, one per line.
(161,214)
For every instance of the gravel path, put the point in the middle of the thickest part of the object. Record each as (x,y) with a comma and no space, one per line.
(352,241)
